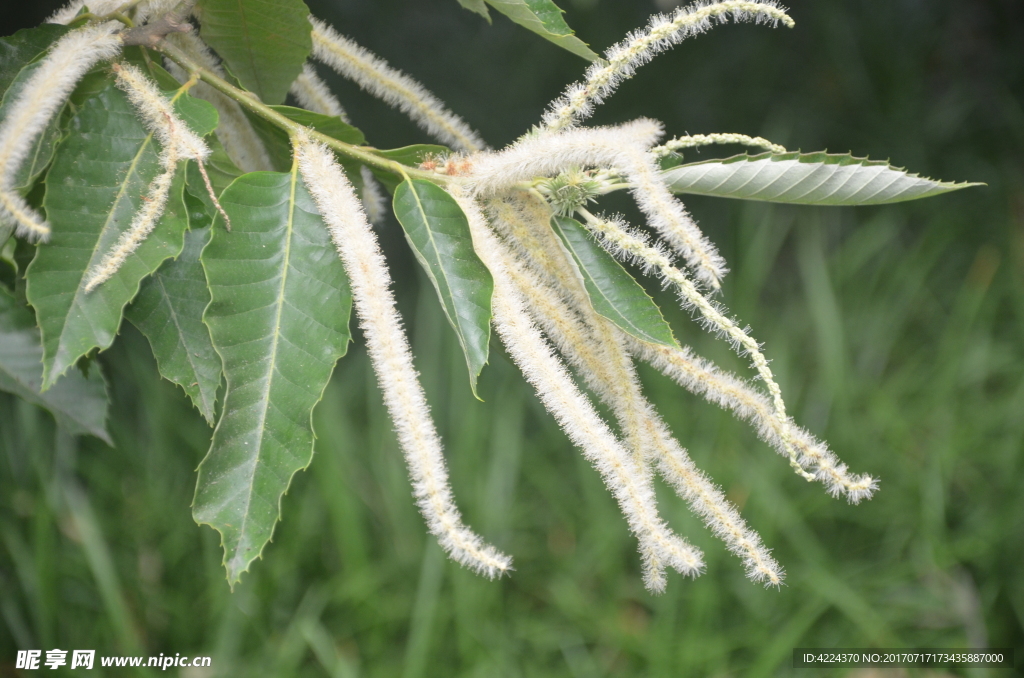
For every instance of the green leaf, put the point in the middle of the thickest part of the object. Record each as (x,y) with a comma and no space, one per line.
(279,320)
(96,184)
(544,18)
(24,47)
(613,291)
(478,6)
(169,312)
(438,232)
(407,155)
(804,178)
(20,58)
(78,403)
(263,42)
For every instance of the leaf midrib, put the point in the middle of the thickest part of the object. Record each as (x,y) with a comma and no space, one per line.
(457,320)
(272,367)
(75,303)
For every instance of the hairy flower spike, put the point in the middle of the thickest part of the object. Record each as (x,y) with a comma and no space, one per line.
(547,154)
(177,143)
(662,33)
(392,359)
(696,140)
(667,214)
(594,348)
(375,76)
(730,392)
(313,94)
(40,98)
(617,237)
(627,479)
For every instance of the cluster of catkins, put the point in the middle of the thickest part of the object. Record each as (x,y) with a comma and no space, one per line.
(541,309)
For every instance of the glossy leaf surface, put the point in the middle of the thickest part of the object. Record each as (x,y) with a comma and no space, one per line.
(169,312)
(279,320)
(804,178)
(544,18)
(612,290)
(263,42)
(98,180)
(438,232)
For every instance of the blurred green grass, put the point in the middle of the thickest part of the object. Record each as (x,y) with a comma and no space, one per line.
(897,334)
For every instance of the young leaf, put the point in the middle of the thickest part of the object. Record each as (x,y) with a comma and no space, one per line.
(478,6)
(438,232)
(613,291)
(263,42)
(169,312)
(804,178)
(544,18)
(279,320)
(96,184)
(78,403)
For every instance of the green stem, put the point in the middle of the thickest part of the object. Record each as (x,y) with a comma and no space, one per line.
(363,154)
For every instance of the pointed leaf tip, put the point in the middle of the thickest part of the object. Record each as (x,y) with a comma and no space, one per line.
(804,178)
(613,292)
(279,319)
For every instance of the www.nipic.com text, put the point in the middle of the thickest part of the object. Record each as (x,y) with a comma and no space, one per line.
(85,659)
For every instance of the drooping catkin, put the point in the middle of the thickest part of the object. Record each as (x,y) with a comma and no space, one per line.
(40,98)
(730,392)
(591,344)
(625,477)
(68,12)
(375,76)
(668,216)
(662,32)
(619,239)
(392,359)
(177,143)
(313,94)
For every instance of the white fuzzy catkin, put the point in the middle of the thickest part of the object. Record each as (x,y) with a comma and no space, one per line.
(66,14)
(546,154)
(668,216)
(591,344)
(622,148)
(66,62)
(392,359)
(617,237)
(662,33)
(730,392)
(627,479)
(235,132)
(375,76)
(177,143)
(696,140)
(313,94)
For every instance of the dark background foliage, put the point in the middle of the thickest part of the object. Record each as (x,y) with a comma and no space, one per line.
(897,333)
